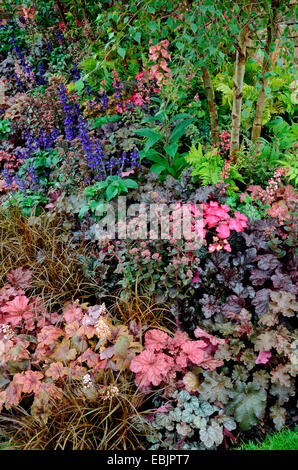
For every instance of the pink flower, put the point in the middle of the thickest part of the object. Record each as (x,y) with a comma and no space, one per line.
(196,277)
(223,231)
(154,57)
(263,357)
(145,253)
(126,173)
(165,54)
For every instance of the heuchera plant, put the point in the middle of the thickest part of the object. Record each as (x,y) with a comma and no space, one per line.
(164,357)
(38,350)
(216,215)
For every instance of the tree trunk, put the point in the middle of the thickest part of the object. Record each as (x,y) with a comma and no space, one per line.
(211,105)
(61,11)
(238,91)
(273,35)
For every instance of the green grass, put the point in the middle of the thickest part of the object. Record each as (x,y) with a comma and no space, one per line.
(282,440)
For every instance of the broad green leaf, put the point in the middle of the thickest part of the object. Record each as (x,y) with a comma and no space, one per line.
(129,183)
(248,405)
(79,85)
(121,51)
(83,211)
(153,137)
(180,116)
(171,150)
(179,130)
(158,168)
(112,191)
(137,37)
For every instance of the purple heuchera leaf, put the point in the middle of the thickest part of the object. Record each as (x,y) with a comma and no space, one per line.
(261,302)
(234,304)
(210,305)
(258,277)
(268,262)
(107,353)
(282,281)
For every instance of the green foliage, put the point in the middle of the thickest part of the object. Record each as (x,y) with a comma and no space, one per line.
(29,202)
(286,439)
(44,162)
(247,404)
(254,209)
(5,129)
(168,135)
(103,191)
(208,167)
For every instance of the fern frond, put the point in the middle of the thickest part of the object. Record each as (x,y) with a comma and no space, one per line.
(277,108)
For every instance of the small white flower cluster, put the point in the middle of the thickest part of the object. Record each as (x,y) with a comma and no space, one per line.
(103,329)
(109,392)
(87,381)
(274,182)
(7,332)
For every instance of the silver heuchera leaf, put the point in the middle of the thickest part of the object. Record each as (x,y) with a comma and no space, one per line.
(212,435)
(278,416)
(199,422)
(176,414)
(184,429)
(187,416)
(205,409)
(163,420)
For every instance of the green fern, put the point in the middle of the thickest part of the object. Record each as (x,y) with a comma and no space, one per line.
(291,164)
(208,167)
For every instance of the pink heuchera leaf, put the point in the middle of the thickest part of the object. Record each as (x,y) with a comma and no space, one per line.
(151,368)
(49,335)
(181,360)
(155,340)
(90,357)
(13,394)
(73,313)
(176,342)
(199,333)
(20,277)
(194,351)
(50,389)
(8,292)
(18,308)
(56,371)
(263,357)
(211,364)
(29,380)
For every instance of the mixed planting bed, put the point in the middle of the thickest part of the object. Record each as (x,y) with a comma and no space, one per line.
(144,342)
